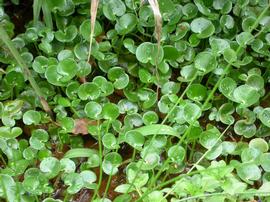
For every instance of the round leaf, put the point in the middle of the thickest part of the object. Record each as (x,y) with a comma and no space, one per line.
(202,27)
(205,62)
(50,166)
(31,117)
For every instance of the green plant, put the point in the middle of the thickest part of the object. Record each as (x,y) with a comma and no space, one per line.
(128,100)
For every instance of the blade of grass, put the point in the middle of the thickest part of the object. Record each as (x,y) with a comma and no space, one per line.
(93,13)
(7,41)
(36,10)
(47,15)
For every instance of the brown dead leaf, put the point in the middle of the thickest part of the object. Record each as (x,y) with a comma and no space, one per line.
(81,126)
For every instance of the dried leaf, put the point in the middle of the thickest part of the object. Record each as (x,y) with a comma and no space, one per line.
(81,126)
(93,13)
(158,19)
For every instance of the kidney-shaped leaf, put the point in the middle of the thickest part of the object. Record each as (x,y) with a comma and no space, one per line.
(246,95)
(111,162)
(50,166)
(202,27)
(126,23)
(264,116)
(205,62)
(135,139)
(148,52)
(31,117)
(119,77)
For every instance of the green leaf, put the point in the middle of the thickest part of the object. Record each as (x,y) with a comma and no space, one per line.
(227,86)
(191,112)
(126,23)
(89,177)
(8,132)
(197,92)
(135,139)
(249,171)
(170,87)
(205,62)
(67,165)
(157,129)
(189,10)
(148,52)
(260,144)
(38,139)
(50,166)
(202,27)
(7,187)
(245,129)
(170,52)
(111,162)
(119,77)
(113,8)
(255,81)
(67,69)
(80,153)
(31,117)
(246,95)
(150,117)
(40,64)
(93,110)
(67,35)
(85,29)
(218,45)
(124,188)
(89,90)
(74,181)
(110,111)
(63,72)
(177,154)
(265,161)
(109,141)
(244,38)
(229,55)
(264,117)
(209,138)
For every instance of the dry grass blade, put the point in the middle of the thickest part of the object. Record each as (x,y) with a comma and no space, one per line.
(158,20)
(93,13)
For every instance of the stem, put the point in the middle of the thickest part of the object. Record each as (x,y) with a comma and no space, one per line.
(66,197)
(5,38)
(100,160)
(110,176)
(107,187)
(133,155)
(192,150)
(36,198)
